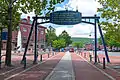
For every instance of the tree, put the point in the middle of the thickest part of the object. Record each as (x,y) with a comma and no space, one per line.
(10,11)
(60,43)
(78,44)
(110,12)
(50,36)
(100,41)
(67,38)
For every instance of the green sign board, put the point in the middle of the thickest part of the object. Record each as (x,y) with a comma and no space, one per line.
(65,17)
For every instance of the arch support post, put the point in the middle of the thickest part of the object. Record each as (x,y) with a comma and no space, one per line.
(35,51)
(95,21)
(26,47)
(103,41)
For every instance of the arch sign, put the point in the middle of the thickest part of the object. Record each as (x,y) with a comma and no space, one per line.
(65,17)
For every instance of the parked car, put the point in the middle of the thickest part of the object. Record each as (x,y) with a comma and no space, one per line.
(71,49)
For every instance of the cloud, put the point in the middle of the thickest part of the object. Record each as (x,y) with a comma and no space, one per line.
(79,30)
(86,7)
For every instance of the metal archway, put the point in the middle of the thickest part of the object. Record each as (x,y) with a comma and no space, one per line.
(83,20)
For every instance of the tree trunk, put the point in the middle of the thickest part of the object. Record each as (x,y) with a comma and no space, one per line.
(0,45)
(110,48)
(9,39)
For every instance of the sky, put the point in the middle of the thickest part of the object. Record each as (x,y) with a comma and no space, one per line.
(86,7)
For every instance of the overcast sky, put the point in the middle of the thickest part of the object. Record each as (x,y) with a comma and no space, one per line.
(86,7)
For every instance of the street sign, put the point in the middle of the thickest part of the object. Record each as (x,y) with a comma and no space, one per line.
(65,17)
(4,35)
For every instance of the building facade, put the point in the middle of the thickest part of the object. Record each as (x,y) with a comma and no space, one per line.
(24,27)
(91,46)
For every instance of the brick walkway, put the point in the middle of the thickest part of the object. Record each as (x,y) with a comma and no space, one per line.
(85,71)
(63,70)
(38,71)
(109,71)
(71,65)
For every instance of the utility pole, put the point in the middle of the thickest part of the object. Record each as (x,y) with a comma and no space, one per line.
(50,39)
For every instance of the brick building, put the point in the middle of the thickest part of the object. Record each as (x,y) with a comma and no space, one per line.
(25,26)
(91,46)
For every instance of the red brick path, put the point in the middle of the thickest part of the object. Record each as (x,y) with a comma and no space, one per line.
(84,71)
(40,71)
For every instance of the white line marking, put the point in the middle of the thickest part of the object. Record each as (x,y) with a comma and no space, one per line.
(27,69)
(99,69)
(10,70)
(111,69)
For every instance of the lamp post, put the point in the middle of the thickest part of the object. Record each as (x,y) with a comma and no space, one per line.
(50,39)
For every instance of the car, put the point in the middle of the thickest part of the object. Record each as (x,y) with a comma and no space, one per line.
(71,49)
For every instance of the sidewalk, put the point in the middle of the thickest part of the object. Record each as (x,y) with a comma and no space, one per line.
(68,66)
(84,71)
(74,67)
(38,71)
(63,70)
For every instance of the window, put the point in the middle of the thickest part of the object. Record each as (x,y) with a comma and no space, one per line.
(24,20)
(42,32)
(24,29)
(24,38)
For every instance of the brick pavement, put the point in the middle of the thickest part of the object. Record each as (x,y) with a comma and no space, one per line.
(84,71)
(63,70)
(115,73)
(37,72)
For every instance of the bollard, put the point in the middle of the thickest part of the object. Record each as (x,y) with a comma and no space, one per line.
(104,63)
(90,57)
(81,53)
(24,62)
(48,55)
(98,60)
(52,53)
(41,57)
(84,55)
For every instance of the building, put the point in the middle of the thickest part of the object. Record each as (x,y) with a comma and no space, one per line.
(91,46)
(25,26)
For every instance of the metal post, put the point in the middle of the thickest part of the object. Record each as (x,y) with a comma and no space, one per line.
(104,63)
(90,58)
(24,62)
(35,51)
(26,47)
(95,40)
(103,41)
(48,55)
(41,57)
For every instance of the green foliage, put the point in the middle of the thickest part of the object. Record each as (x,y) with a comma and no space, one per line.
(111,24)
(24,6)
(100,41)
(60,43)
(78,44)
(65,36)
(10,12)
(50,35)
(83,40)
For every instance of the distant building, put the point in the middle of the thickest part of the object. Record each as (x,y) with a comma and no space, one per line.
(91,46)
(25,26)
